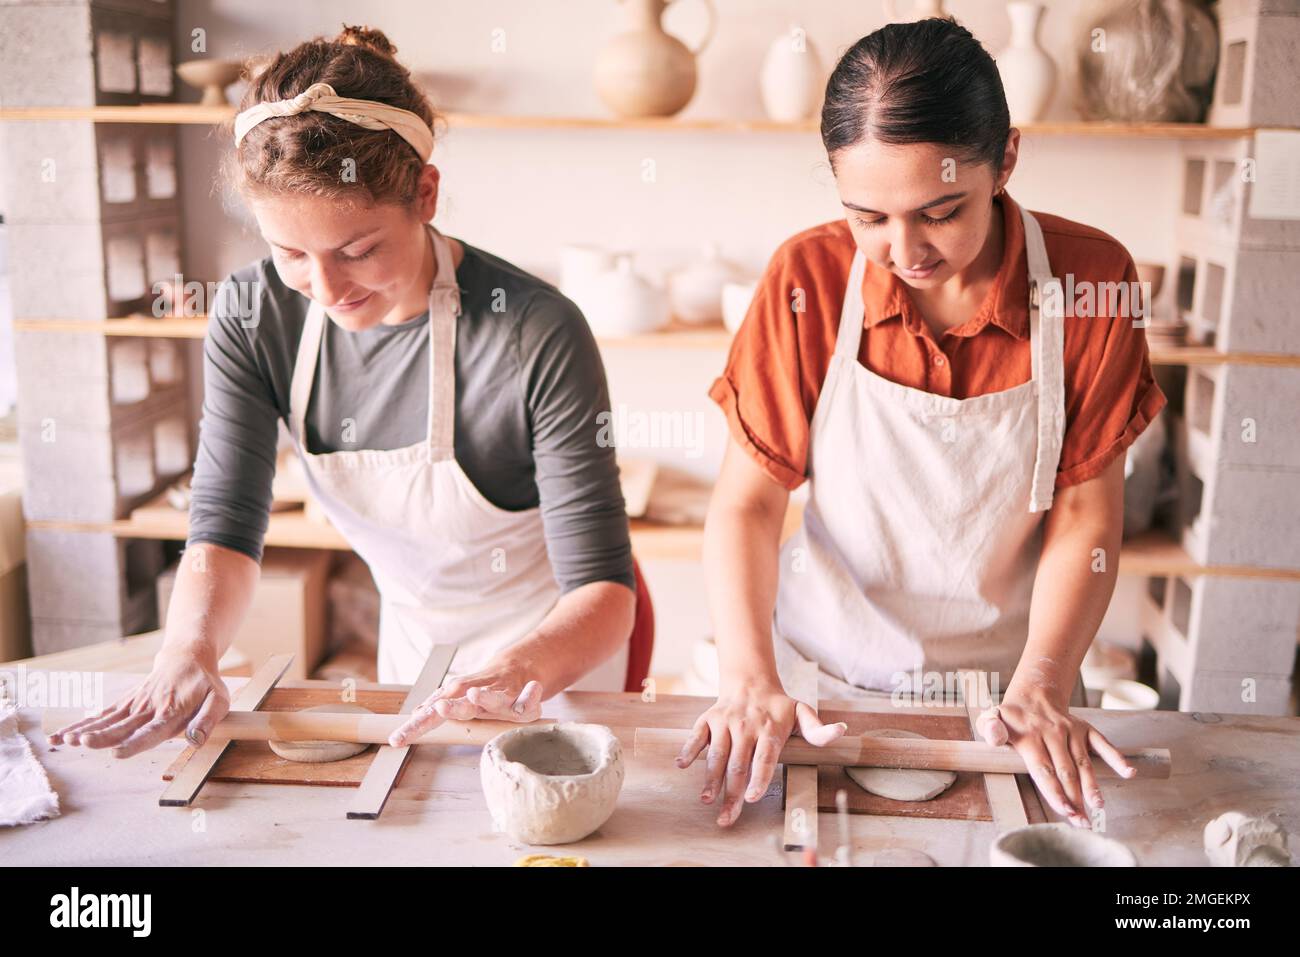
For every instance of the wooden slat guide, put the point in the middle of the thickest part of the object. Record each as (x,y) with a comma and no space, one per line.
(801,779)
(182,788)
(1003,790)
(388,763)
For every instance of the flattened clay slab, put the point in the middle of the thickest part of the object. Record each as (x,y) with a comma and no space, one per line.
(319,752)
(897,784)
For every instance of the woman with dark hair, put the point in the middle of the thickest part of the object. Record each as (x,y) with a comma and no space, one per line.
(444,403)
(912,362)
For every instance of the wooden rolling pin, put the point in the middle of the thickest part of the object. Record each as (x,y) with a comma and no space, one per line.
(925,753)
(665,743)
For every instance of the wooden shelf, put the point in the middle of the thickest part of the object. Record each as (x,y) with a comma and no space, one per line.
(194,114)
(1154,553)
(146,327)
(677,336)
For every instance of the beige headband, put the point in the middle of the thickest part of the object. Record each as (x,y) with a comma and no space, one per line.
(368,113)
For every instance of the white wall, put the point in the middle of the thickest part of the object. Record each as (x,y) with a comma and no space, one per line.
(522,194)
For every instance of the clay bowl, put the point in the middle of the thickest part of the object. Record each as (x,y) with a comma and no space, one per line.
(1057,845)
(212,77)
(552,783)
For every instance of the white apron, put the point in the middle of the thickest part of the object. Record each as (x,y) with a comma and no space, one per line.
(921,537)
(451,567)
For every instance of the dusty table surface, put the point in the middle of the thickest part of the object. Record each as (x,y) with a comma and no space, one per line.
(436,815)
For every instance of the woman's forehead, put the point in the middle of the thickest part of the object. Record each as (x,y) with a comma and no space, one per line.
(898,178)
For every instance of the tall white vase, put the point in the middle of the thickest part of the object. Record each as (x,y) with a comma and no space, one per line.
(792,80)
(1028,73)
(921,10)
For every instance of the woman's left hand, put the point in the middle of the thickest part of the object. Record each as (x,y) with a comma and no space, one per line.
(501,691)
(1054,745)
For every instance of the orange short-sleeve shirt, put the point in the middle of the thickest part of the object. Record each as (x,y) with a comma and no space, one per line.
(780,356)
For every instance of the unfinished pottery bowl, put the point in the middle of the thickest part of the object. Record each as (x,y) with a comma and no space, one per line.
(552,783)
(1057,845)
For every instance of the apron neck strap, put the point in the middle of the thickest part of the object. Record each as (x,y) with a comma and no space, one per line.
(444,307)
(1047,338)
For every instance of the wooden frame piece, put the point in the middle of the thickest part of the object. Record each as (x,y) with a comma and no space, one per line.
(1003,790)
(388,763)
(800,784)
(182,789)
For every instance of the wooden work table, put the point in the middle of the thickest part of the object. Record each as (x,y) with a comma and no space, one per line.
(436,815)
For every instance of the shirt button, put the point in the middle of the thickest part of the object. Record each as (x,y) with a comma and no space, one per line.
(938,360)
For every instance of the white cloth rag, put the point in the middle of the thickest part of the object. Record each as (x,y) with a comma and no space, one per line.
(25,792)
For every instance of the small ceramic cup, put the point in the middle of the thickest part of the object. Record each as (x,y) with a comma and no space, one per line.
(1057,845)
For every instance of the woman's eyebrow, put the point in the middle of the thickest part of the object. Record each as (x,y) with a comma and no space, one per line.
(934,202)
(342,246)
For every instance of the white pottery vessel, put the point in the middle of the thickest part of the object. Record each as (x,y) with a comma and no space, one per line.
(1057,845)
(1028,73)
(552,783)
(921,10)
(736,297)
(792,80)
(695,292)
(621,303)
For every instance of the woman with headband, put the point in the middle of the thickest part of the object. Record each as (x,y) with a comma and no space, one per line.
(444,405)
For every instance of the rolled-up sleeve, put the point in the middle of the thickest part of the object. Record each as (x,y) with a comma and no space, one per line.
(235,464)
(1114,396)
(567,397)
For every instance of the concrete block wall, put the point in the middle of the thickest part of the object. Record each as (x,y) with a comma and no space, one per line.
(86,52)
(1230,641)
(94,222)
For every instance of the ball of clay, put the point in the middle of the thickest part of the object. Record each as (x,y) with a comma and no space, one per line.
(319,752)
(552,784)
(1234,839)
(905,784)
(1058,845)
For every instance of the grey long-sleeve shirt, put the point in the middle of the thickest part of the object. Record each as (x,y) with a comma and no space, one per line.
(529,387)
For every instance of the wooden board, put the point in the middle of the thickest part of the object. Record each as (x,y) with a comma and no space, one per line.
(964,801)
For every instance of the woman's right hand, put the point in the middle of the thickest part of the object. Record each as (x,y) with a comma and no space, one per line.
(183,693)
(744,733)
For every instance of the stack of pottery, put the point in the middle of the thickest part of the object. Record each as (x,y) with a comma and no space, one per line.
(696,291)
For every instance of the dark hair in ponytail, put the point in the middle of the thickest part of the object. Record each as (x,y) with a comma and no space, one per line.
(925,82)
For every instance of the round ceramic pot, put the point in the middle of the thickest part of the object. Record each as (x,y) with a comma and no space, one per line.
(552,783)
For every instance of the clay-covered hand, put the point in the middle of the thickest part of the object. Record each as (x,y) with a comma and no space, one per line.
(183,693)
(1055,747)
(502,692)
(743,734)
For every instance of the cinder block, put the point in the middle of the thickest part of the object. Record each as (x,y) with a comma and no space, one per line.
(51,172)
(1242,415)
(92,577)
(1242,516)
(75,576)
(57,271)
(1235,624)
(1259,46)
(1237,692)
(47,55)
(51,635)
(1218,182)
(1230,297)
